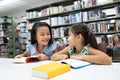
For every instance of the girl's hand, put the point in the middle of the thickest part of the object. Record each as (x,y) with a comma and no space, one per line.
(18,56)
(63,56)
(59,56)
(42,57)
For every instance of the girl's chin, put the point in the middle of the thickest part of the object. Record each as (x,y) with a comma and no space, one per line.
(45,44)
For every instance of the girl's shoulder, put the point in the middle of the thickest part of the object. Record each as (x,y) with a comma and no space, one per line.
(84,51)
(30,45)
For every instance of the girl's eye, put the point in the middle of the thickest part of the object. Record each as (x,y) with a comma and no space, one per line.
(42,34)
(48,33)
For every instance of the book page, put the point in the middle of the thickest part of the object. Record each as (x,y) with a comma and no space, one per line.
(21,60)
(26,59)
(75,63)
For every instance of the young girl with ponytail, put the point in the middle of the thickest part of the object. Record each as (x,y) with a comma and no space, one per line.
(82,46)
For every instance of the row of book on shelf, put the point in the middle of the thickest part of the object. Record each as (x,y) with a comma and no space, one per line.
(105,26)
(22,32)
(112,40)
(83,16)
(108,39)
(3,48)
(4,33)
(96,27)
(5,20)
(53,10)
(21,27)
(3,40)
(60,9)
(3,26)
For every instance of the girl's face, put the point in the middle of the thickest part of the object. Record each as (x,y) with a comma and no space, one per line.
(71,39)
(43,35)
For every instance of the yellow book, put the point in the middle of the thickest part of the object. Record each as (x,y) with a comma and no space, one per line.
(50,70)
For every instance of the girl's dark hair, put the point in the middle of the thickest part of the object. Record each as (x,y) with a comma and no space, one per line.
(89,37)
(34,30)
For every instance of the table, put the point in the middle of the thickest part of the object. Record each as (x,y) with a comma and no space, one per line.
(10,71)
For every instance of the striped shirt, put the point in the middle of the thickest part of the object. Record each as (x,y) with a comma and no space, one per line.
(48,50)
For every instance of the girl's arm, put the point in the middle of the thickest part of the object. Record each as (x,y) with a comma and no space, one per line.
(95,56)
(22,55)
(62,54)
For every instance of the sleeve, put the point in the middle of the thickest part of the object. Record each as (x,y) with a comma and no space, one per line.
(31,49)
(54,46)
(28,47)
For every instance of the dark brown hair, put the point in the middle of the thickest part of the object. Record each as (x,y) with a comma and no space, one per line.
(89,37)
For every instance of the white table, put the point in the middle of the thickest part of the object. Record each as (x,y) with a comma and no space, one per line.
(10,71)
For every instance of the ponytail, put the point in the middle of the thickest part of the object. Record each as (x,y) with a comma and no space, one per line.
(89,37)
(92,40)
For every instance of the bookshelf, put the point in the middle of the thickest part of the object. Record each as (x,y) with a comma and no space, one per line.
(21,37)
(63,14)
(6,36)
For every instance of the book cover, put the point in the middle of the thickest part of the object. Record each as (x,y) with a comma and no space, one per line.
(76,64)
(50,70)
(23,60)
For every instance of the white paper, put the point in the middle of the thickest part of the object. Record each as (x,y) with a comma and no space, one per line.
(76,63)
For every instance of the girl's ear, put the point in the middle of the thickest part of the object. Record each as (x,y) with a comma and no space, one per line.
(79,36)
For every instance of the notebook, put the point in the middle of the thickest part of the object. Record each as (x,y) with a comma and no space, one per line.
(76,64)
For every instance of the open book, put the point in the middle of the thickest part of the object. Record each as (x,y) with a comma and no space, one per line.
(23,60)
(75,64)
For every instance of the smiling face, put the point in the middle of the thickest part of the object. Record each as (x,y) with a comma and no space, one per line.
(43,35)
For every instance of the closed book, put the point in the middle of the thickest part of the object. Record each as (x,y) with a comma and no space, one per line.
(50,70)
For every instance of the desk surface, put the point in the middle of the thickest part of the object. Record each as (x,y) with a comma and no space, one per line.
(10,71)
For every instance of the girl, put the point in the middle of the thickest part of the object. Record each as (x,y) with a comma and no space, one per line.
(41,42)
(82,46)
